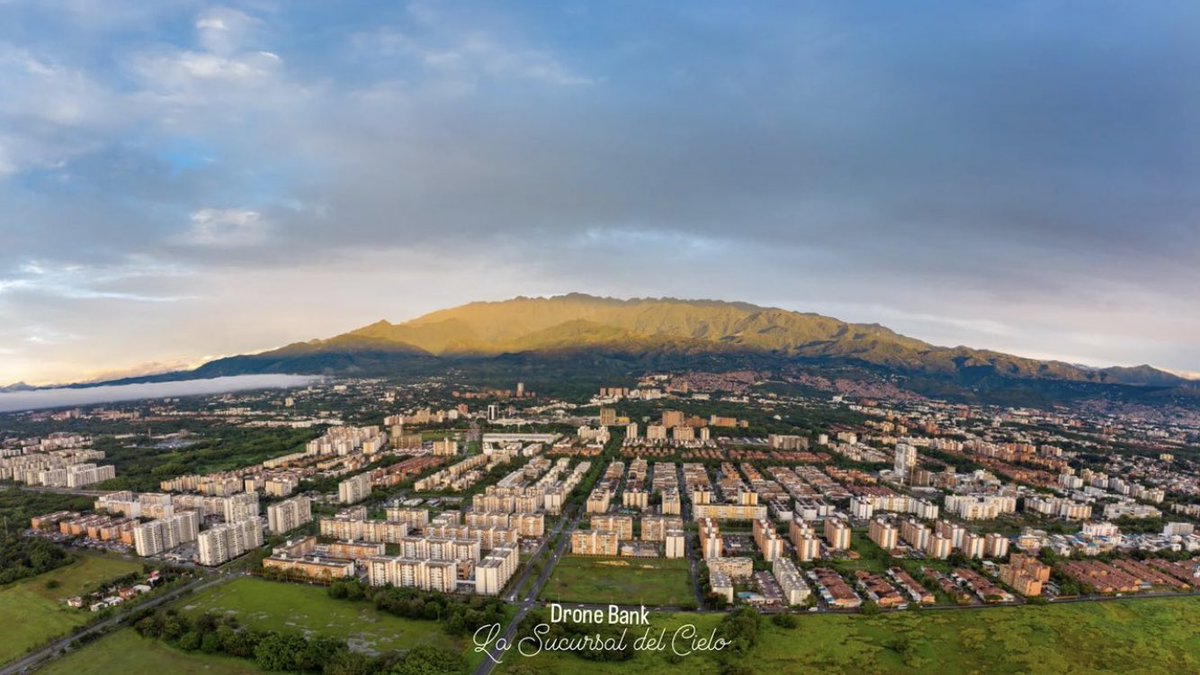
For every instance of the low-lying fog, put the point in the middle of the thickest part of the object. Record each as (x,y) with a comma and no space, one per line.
(62,397)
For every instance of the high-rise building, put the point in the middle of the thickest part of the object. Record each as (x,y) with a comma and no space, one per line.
(906,462)
(837,534)
(289,514)
(674,545)
(165,534)
(354,489)
(240,507)
(227,541)
(883,533)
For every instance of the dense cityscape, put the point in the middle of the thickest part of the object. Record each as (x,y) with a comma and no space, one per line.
(711,494)
(449,337)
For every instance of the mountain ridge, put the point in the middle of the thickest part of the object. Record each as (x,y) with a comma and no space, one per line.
(580,322)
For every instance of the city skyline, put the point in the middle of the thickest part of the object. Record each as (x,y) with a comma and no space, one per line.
(187,180)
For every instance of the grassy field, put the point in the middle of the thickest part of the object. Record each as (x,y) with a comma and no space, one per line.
(1139,636)
(631,581)
(31,613)
(268,605)
(645,663)
(127,652)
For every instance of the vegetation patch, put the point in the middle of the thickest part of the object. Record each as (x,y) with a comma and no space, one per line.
(655,582)
(33,610)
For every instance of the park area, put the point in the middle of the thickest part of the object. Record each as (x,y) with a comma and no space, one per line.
(657,582)
(1129,636)
(32,611)
(286,607)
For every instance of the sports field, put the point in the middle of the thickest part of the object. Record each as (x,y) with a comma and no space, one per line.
(127,652)
(269,605)
(1135,636)
(31,612)
(629,581)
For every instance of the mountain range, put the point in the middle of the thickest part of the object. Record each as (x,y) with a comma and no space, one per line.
(653,332)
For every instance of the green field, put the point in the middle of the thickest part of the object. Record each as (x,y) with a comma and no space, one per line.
(645,663)
(629,581)
(127,652)
(1137,636)
(31,613)
(269,605)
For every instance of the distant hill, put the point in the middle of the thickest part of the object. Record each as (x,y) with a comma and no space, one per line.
(659,330)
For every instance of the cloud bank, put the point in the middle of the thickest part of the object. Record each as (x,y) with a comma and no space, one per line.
(181,178)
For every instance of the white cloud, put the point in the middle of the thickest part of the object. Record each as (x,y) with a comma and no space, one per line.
(227,227)
(471,54)
(83,282)
(222,30)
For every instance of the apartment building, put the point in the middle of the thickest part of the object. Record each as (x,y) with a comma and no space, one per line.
(674,544)
(721,584)
(493,572)
(655,528)
(349,528)
(157,536)
(915,534)
(939,547)
(837,534)
(354,489)
(883,533)
(768,540)
(595,542)
(980,507)
(622,525)
(289,514)
(795,590)
(401,514)
(1025,574)
(711,544)
(805,541)
(227,541)
(736,567)
(423,574)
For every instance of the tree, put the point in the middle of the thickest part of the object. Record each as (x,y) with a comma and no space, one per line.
(210,643)
(173,628)
(190,641)
(347,662)
(427,660)
(318,652)
(279,651)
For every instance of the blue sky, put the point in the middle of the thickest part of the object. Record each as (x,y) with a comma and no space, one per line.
(183,180)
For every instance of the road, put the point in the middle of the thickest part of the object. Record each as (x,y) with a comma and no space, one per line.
(530,600)
(691,543)
(52,651)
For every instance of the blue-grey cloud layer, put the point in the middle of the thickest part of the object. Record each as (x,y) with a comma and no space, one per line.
(229,177)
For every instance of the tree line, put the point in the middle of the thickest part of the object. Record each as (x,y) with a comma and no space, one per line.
(290,652)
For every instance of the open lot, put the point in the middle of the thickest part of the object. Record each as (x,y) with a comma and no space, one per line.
(1136,636)
(628,581)
(31,612)
(127,652)
(269,605)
